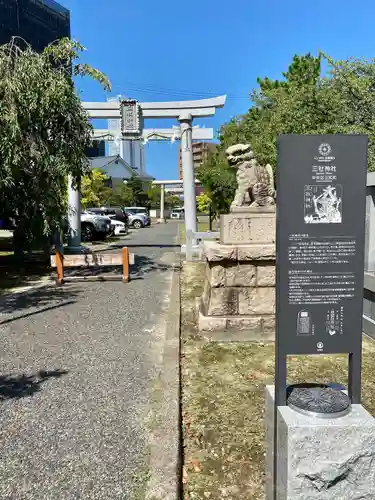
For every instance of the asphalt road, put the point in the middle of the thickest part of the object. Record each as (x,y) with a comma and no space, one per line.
(77,366)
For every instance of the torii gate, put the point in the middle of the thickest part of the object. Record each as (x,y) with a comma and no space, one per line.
(162,185)
(132,114)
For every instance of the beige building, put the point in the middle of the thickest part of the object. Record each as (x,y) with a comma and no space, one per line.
(201,150)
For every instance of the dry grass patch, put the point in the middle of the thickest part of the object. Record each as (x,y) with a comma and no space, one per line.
(223,403)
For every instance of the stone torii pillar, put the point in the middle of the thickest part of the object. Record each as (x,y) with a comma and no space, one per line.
(162,202)
(190,205)
(74,217)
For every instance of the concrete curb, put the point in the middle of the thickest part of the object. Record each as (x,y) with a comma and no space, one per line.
(165,450)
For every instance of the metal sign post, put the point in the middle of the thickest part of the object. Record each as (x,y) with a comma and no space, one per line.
(321,189)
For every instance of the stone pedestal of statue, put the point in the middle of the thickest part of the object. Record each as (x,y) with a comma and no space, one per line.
(238,301)
(246,225)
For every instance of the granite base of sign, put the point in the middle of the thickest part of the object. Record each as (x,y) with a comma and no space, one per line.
(322,459)
(239,289)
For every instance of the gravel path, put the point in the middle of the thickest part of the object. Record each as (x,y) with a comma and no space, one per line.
(77,365)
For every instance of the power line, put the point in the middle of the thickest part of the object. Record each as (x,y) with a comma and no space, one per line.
(184,94)
(175,92)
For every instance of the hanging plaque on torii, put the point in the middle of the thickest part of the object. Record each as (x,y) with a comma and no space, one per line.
(131,119)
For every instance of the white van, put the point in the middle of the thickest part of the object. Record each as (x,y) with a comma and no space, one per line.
(178,213)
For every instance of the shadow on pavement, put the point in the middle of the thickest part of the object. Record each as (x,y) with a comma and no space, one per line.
(44,299)
(153,245)
(20,386)
(33,313)
(143,245)
(144,265)
(93,271)
(13,274)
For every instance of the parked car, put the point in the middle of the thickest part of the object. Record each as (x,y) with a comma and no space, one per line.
(137,210)
(138,220)
(117,213)
(119,219)
(178,213)
(94,226)
(118,228)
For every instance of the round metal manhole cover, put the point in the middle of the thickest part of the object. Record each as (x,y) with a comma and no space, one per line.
(318,400)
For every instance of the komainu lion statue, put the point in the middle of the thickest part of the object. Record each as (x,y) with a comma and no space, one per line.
(255,185)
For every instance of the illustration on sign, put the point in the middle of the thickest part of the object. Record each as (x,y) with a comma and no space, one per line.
(304,323)
(334,321)
(323,204)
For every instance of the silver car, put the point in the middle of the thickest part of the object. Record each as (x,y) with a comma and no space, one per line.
(137,210)
(94,226)
(138,220)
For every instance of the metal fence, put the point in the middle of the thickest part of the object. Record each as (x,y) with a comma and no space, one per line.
(369,285)
(193,240)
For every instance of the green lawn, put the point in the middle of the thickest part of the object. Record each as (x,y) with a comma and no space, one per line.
(202,226)
(223,402)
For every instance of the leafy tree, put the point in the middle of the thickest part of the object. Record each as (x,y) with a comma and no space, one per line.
(44,134)
(138,189)
(340,102)
(258,126)
(304,70)
(94,189)
(219,181)
(350,89)
(121,195)
(303,101)
(154,196)
(204,202)
(171,200)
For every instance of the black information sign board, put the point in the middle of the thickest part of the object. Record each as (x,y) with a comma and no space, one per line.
(321,189)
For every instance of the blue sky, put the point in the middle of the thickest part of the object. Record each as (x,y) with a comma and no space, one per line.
(174,50)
